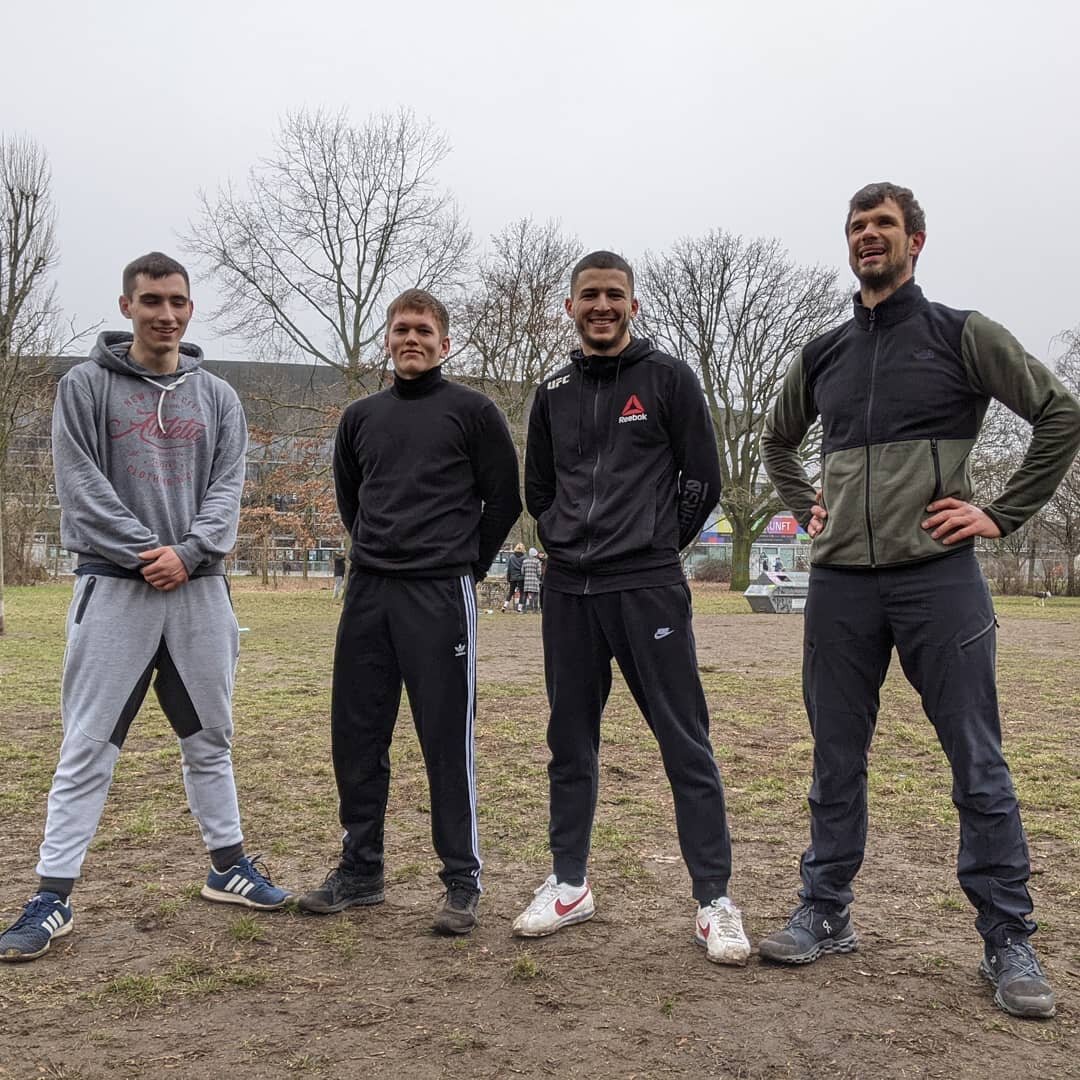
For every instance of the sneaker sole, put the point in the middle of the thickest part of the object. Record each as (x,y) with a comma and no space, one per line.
(11,957)
(218,896)
(566,920)
(368,900)
(448,929)
(727,961)
(829,945)
(1031,1013)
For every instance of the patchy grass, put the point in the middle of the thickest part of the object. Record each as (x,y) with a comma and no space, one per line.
(149,956)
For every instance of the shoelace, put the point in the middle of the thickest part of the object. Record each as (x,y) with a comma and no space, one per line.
(259,869)
(542,896)
(802,916)
(35,911)
(458,895)
(1019,957)
(726,920)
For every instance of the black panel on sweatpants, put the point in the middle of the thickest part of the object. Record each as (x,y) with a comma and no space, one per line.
(421,631)
(649,633)
(940,617)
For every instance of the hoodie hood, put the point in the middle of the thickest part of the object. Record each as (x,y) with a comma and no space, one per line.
(113,347)
(112,351)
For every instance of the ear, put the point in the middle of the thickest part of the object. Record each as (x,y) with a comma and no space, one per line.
(634,307)
(916,242)
(125,306)
(444,348)
(569,303)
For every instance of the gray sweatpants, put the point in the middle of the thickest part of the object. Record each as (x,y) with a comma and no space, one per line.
(119,633)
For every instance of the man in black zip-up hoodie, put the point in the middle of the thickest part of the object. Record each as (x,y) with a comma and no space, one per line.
(901,390)
(427,485)
(621,471)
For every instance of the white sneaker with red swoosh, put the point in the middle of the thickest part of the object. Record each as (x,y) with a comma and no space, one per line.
(555,905)
(718,927)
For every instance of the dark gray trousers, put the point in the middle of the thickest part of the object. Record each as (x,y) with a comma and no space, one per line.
(940,617)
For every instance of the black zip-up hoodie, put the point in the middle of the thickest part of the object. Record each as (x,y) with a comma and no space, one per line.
(427,479)
(621,469)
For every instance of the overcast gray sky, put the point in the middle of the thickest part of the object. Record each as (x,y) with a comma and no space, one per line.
(634,123)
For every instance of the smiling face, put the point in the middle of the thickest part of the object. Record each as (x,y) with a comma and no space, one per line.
(160,310)
(602,307)
(881,253)
(415,342)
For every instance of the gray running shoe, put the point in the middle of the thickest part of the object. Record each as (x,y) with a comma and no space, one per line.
(342,890)
(458,912)
(1021,988)
(808,934)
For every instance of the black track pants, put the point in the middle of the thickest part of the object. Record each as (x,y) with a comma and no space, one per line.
(421,632)
(940,618)
(649,633)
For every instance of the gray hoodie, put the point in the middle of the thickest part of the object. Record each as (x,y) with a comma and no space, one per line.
(145,461)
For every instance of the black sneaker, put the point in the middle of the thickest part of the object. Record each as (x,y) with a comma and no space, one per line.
(808,934)
(342,890)
(458,912)
(1020,986)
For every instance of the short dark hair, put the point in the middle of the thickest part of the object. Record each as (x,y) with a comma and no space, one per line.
(866,198)
(420,300)
(154,265)
(602,260)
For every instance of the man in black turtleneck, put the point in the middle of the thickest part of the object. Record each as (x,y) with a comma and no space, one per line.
(621,471)
(427,485)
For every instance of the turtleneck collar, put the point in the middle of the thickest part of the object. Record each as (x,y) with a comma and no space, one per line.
(421,385)
(893,309)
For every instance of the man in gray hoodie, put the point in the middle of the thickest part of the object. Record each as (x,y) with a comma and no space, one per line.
(149,457)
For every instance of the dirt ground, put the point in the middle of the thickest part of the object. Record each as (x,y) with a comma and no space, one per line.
(157,983)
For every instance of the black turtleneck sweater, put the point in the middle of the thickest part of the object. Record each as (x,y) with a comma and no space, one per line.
(427,479)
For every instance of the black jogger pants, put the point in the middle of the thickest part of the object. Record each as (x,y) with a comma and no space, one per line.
(421,632)
(649,633)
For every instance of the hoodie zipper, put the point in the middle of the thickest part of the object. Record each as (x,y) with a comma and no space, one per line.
(869,407)
(595,470)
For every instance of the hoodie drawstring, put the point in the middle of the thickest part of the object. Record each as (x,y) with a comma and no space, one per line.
(163,391)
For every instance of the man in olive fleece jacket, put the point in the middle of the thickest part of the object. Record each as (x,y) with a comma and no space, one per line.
(902,389)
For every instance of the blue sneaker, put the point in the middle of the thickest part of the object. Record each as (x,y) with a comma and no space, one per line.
(245,884)
(45,917)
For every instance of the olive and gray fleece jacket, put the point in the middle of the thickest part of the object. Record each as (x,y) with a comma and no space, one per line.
(145,461)
(902,390)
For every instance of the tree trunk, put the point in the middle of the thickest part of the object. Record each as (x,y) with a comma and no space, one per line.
(2,624)
(742,540)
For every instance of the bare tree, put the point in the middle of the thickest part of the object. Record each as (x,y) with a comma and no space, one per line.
(514,328)
(334,223)
(1061,515)
(739,312)
(28,309)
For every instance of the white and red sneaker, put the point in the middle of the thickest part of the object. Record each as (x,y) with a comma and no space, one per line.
(718,927)
(555,905)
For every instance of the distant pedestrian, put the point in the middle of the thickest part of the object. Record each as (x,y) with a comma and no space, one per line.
(764,564)
(339,573)
(778,566)
(515,579)
(531,570)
